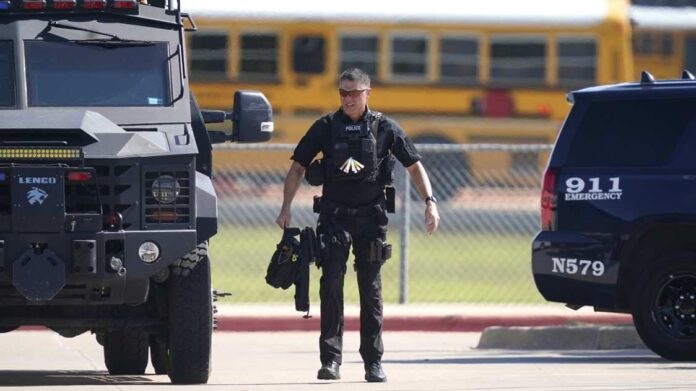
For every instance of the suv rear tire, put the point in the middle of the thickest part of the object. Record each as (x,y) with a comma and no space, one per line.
(190,325)
(664,311)
(125,351)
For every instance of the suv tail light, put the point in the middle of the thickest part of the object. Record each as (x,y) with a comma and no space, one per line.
(548,200)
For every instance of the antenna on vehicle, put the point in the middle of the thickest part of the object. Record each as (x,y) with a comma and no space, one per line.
(686,75)
(646,78)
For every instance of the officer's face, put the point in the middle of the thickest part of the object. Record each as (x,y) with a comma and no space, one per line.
(353,98)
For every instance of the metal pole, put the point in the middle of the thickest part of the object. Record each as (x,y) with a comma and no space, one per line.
(404,233)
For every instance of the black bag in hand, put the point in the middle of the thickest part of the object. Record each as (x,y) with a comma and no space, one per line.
(283,268)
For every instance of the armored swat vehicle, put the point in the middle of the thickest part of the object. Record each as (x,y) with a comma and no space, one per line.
(106,201)
(619,210)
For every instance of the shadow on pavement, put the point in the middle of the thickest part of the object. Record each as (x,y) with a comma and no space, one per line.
(603,358)
(100,378)
(68,378)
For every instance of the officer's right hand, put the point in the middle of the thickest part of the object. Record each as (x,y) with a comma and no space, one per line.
(283,219)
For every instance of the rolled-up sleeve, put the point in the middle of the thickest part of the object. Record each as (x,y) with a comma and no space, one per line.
(310,144)
(403,148)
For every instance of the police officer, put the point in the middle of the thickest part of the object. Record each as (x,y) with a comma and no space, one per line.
(359,147)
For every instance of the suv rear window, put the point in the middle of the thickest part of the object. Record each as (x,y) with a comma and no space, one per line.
(630,132)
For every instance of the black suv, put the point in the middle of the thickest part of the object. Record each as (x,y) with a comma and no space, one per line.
(618,210)
(106,198)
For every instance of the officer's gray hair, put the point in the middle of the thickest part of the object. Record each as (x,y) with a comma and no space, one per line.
(356,75)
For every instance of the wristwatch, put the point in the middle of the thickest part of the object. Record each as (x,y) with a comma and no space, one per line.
(432,199)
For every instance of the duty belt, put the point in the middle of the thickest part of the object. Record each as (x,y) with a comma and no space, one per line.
(330,207)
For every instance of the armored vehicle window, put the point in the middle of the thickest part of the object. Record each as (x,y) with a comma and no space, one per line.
(97,74)
(7,80)
(630,132)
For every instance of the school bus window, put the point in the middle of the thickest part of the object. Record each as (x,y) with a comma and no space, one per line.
(209,55)
(577,60)
(360,51)
(258,58)
(409,57)
(309,54)
(689,57)
(667,45)
(643,43)
(459,59)
(653,44)
(518,60)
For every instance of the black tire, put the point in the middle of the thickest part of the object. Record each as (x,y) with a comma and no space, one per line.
(184,265)
(190,325)
(664,309)
(159,355)
(125,352)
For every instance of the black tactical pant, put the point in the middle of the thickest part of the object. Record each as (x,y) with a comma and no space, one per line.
(338,233)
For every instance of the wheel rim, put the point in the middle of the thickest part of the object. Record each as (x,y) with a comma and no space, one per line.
(675,306)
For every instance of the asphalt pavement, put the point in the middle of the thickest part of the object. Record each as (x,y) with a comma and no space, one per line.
(37,360)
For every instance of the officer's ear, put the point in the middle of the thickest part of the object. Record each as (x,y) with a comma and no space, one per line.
(367,93)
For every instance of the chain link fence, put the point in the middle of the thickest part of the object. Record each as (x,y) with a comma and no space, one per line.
(488,202)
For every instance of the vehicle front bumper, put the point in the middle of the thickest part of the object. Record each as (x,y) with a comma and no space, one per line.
(69,269)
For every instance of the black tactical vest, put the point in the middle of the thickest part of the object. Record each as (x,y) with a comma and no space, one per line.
(352,153)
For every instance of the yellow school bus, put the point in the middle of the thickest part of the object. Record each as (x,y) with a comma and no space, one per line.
(448,72)
(664,40)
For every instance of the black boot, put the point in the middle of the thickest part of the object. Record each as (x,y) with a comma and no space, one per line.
(329,371)
(374,373)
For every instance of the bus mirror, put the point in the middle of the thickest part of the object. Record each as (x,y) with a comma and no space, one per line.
(252,117)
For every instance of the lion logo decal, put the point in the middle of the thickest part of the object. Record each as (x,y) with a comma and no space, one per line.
(36,196)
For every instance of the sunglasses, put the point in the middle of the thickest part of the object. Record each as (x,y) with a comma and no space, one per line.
(353,93)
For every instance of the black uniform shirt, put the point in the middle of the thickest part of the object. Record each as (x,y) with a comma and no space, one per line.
(390,136)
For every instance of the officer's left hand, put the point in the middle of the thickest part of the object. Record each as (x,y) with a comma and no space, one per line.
(432,218)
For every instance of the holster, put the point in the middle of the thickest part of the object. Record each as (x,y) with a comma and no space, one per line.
(390,196)
(380,251)
(314,174)
(316,205)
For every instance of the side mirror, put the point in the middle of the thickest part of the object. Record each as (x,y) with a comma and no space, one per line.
(252,117)
(213,116)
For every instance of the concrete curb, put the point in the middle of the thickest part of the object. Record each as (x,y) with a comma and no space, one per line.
(460,323)
(590,337)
